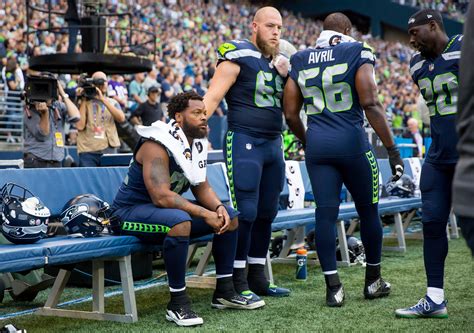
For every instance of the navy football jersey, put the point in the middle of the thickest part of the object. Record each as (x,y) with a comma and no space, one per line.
(326,78)
(254,100)
(438,82)
(133,190)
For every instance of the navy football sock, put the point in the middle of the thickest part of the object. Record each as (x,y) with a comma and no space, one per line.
(332,281)
(257,280)
(223,250)
(260,238)
(243,242)
(325,237)
(224,287)
(175,251)
(435,250)
(371,232)
(240,280)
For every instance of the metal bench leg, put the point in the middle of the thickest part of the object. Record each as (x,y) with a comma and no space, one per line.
(98,304)
(341,234)
(454,225)
(268,268)
(191,252)
(287,243)
(206,256)
(129,301)
(126,276)
(399,229)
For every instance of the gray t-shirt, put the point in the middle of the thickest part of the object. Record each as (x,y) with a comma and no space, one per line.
(47,147)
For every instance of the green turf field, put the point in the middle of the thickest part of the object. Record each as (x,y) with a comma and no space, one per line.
(304,310)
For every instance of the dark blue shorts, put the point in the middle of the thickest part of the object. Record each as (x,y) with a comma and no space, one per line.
(151,223)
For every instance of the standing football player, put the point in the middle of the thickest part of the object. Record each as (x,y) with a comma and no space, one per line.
(250,75)
(434,69)
(335,81)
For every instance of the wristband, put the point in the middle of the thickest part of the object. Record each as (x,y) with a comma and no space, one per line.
(219,206)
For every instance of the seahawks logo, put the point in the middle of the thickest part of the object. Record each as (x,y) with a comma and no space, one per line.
(74,211)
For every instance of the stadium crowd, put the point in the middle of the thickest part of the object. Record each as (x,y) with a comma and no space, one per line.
(455,9)
(187,35)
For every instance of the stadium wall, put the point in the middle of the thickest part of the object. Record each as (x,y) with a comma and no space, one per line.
(381,13)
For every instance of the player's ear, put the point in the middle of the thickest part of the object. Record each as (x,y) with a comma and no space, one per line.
(178,116)
(433,26)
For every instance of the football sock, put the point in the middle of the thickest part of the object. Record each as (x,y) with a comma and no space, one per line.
(223,251)
(436,294)
(435,250)
(179,299)
(224,287)
(175,251)
(372,273)
(243,242)
(240,280)
(260,238)
(325,237)
(257,280)
(371,232)
(332,280)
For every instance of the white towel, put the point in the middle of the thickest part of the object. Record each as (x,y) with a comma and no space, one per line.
(193,161)
(329,38)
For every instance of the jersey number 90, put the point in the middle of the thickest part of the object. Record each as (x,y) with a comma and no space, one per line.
(440,94)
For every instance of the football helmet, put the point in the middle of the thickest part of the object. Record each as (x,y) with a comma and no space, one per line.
(402,188)
(85,214)
(355,248)
(24,217)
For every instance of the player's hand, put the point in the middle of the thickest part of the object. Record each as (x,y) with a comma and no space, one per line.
(224,216)
(213,220)
(282,64)
(396,162)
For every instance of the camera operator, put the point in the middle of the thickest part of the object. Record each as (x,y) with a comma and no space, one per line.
(44,130)
(97,133)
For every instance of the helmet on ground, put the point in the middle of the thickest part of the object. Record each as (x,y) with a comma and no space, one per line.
(24,217)
(355,248)
(403,188)
(85,214)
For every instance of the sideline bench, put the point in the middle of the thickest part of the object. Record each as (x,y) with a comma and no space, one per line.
(56,186)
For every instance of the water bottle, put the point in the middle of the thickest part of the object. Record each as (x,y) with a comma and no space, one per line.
(301,267)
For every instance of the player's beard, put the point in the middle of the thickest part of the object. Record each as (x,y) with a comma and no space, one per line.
(194,132)
(265,47)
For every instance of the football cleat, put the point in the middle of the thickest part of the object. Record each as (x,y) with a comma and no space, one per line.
(236,302)
(274,291)
(378,288)
(335,298)
(250,295)
(183,317)
(425,308)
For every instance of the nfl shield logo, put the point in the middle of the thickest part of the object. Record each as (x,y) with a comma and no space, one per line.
(431,67)
(248,146)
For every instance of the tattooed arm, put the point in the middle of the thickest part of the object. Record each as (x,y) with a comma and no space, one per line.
(156,175)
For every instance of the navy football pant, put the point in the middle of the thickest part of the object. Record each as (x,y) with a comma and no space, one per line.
(151,224)
(256,171)
(435,185)
(360,174)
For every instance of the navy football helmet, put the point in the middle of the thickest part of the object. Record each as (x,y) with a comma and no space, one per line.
(402,188)
(85,214)
(24,217)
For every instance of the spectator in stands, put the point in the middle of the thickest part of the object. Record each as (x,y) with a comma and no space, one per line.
(197,85)
(12,75)
(151,199)
(44,131)
(137,92)
(167,90)
(117,90)
(150,111)
(150,80)
(97,133)
(414,133)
